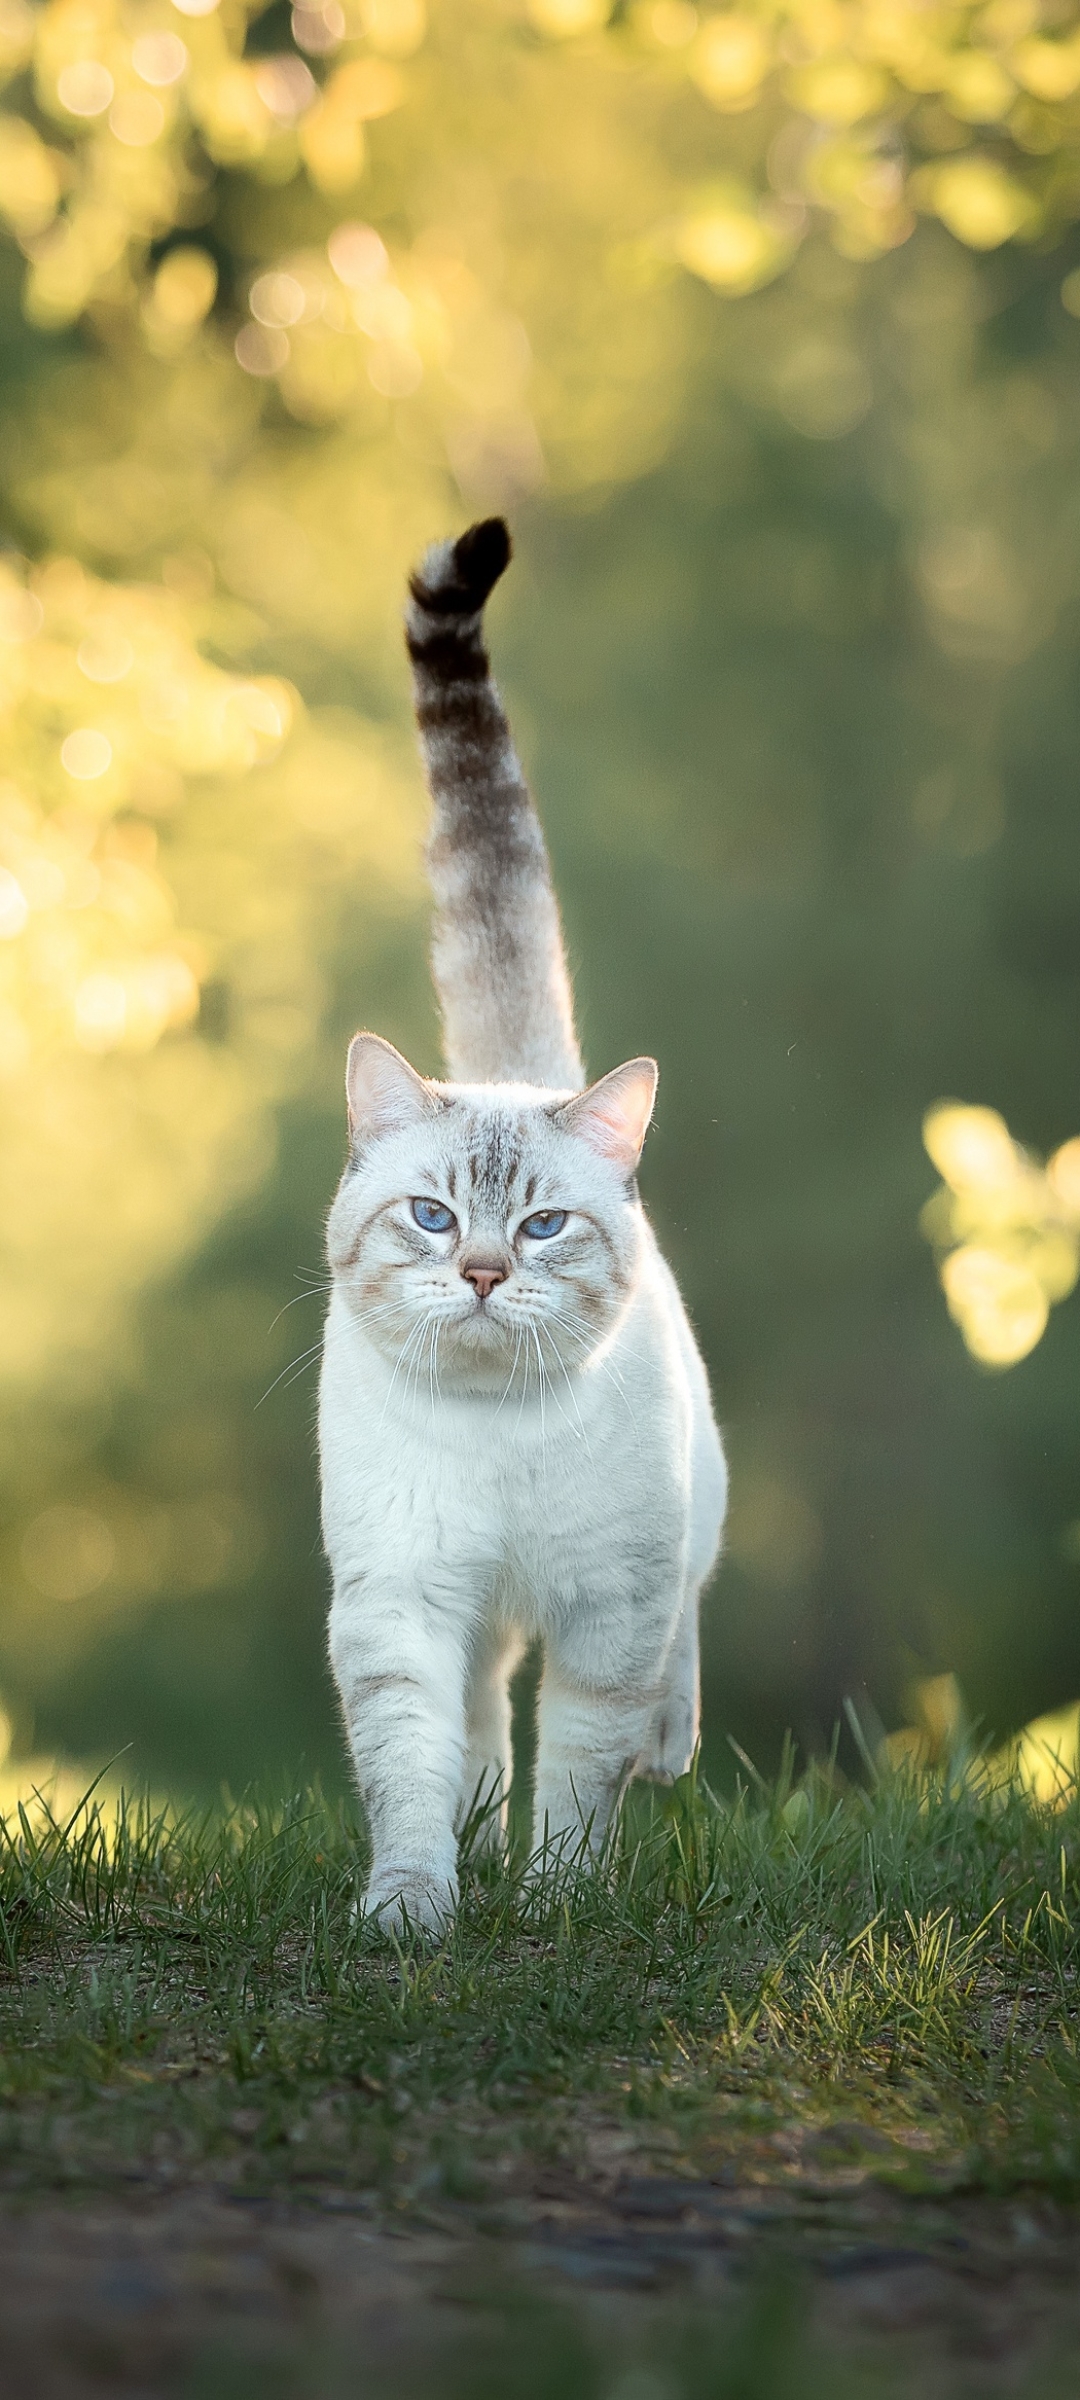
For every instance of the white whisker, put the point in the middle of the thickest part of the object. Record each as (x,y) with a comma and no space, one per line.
(412,1378)
(313,1294)
(295,1367)
(524,1382)
(410,1338)
(578,1431)
(600,1366)
(541,1379)
(514,1368)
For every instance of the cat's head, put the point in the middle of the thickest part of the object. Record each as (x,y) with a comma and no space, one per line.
(500,1218)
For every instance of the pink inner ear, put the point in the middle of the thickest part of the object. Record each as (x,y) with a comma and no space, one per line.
(384,1093)
(613,1115)
(611,1129)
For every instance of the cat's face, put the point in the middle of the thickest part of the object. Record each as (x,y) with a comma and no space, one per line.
(479,1227)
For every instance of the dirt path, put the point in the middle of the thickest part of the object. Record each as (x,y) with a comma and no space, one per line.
(216,2293)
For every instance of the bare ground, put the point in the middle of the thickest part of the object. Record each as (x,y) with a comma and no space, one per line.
(162,2288)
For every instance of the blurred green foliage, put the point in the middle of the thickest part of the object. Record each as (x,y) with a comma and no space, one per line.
(779,378)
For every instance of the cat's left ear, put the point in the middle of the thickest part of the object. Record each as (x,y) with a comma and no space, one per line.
(613,1115)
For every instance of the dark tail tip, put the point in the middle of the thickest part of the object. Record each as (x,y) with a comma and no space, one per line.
(473,567)
(481,556)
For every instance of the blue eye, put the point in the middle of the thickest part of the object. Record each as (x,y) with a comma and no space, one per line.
(433,1216)
(546,1222)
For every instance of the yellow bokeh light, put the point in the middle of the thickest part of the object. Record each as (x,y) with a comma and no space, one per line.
(105,656)
(333,149)
(1063,1176)
(358,255)
(83,909)
(29,180)
(86,754)
(277,300)
(979,89)
(999,1305)
(731,58)
(100,1012)
(128,93)
(672,23)
(839,91)
(287,86)
(971,1147)
(137,119)
(85,88)
(318,26)
(262,350)
(365,88)
(184,290)
(979,201)
(562,19)
(1049,70)
(132,1010)
(125,1129)
(1044,1759)
(729,248)
(384,312)
(396,27)
(1008,1230)
(160,58)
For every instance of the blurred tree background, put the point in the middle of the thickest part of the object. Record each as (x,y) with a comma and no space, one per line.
(762,323)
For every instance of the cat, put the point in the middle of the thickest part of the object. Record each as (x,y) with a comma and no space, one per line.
(516,1434)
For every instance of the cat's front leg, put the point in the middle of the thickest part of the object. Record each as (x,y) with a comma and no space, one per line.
(676,1720)
(589,1741)
(602,1682)
(485,1790)
(400,1668)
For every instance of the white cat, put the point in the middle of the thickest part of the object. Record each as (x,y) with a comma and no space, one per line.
(515,1426)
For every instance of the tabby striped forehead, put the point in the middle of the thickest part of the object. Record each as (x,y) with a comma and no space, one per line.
(488,1172)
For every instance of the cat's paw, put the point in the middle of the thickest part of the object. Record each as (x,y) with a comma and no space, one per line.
(672,1739)
(404,1900)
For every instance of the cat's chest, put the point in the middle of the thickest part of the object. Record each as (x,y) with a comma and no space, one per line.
(516,1480)
(538,1496)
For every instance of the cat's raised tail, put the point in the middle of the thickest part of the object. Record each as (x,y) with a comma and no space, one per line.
(497,949)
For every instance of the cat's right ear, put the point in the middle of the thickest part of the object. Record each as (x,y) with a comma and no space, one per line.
(383,1092)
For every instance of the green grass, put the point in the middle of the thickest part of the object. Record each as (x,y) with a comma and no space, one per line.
(197,1994)
(823,2000)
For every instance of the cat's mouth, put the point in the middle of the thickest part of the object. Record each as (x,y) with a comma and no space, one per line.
(487,1326)
(493,1321)
(488,1316)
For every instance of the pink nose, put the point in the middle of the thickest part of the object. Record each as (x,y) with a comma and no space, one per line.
(483,1279)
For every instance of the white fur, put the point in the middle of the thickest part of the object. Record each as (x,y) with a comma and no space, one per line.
(472,1502)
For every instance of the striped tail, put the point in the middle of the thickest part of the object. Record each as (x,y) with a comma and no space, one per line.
(497,950)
